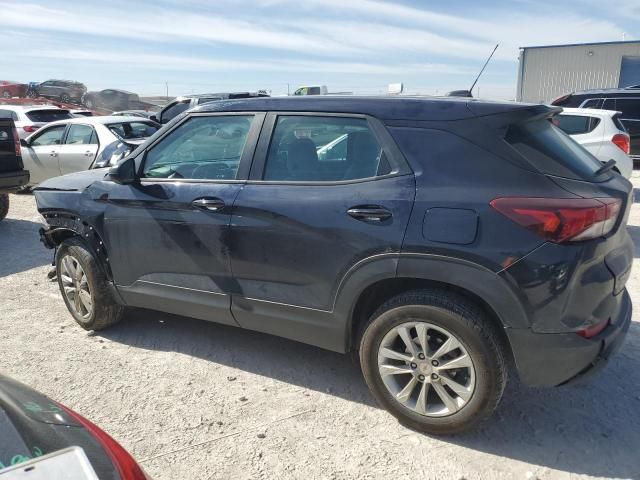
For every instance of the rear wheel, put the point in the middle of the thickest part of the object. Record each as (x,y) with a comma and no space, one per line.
(433,360)
(6,94)
(65,98)
(4,205)
(85,288)
(89,103)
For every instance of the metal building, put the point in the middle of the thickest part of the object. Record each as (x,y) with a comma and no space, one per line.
(548,72)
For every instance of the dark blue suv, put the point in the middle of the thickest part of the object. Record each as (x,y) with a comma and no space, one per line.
(444,240)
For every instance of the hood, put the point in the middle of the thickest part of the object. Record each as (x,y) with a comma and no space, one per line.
(73,181)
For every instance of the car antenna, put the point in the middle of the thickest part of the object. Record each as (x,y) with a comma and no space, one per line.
(467,93)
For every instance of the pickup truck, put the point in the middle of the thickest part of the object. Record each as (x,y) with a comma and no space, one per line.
(13,176)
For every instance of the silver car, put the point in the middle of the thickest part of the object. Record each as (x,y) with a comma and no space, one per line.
(29,118)
(79,144)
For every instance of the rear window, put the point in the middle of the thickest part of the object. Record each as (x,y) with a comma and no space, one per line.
(47,116)
(576,124)
(132,130)
(551,151)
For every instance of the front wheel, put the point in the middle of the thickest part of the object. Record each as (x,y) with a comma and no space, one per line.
(433,359)
(6,94)
(85,287)
(65,98)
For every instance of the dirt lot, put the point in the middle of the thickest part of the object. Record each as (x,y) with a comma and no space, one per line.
(196,400)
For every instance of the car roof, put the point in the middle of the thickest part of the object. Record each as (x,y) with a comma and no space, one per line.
(592,112)
(117,90)
(102,120)
(633,91)
(30,108)
(383,107)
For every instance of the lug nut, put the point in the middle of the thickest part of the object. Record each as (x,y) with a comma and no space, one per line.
(421,378)
(413,365)
(421,356)
(435,363)
(434,376)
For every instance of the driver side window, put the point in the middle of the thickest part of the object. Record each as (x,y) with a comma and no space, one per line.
(51,136)
(207,148)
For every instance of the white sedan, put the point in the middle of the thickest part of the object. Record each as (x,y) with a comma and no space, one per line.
(77,144)
(600,132)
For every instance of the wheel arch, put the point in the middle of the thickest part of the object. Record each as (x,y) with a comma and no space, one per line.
(375,282)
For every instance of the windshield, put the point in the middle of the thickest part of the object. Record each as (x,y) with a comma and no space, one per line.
(47,116)
(132,130)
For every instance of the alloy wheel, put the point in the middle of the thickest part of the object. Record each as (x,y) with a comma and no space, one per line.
(426,369)
(76,286)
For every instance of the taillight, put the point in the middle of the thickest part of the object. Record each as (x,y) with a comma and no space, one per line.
(30,128)
(16,142)
(623,141)
(122,460)
(561,220)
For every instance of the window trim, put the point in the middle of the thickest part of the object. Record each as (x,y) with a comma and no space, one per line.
(399,165)
(245,158)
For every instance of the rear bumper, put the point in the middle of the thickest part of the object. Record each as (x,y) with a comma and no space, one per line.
(12,181)
(550,359)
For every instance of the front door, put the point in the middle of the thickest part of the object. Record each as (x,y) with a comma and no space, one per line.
(79,149)
(308,216)
(167,236)
(41,156)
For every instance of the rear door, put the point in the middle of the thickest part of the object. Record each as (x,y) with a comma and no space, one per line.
(304,219)
(79,149)
(40,157)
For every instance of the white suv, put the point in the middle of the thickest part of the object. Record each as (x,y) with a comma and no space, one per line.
(29,118)
(601,132)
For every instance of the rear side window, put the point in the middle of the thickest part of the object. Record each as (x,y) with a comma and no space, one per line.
(174,110)
(551,151)
(592,103)
(47,116)
(324,149)
(576,124)
(9,114)
(132,130)
(618,123)
(80,135)
(208,99)
(630,107)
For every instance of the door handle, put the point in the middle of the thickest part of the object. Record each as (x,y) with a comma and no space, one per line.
(53,154)
(370,213)
(88,153)
(211,204)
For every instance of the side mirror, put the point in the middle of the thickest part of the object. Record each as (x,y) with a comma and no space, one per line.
(124,173)
(23,143)
(154,118)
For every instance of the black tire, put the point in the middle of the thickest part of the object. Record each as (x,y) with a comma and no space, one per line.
(471,327)
(89,103)
(32,94)
(4,205)
(65,98)
(6,94)
(106,311)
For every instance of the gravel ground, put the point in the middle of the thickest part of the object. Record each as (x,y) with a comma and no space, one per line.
(196,400)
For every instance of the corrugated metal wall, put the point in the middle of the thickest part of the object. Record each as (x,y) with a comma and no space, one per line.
(549,72)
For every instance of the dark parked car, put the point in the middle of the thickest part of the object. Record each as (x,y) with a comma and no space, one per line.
(111,99)
(10,89)
(451,236)
(13,176)
(66,91)
(184,103)
(34,426)
(625,100)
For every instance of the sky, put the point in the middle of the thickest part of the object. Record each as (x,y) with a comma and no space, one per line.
(360,46)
